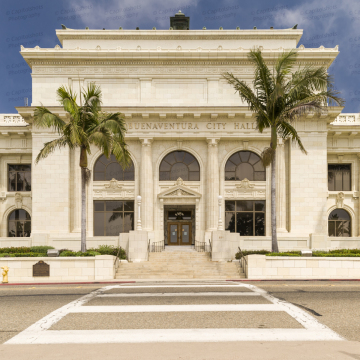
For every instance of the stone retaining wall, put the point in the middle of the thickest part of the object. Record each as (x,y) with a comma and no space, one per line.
(62,269)
(289,267)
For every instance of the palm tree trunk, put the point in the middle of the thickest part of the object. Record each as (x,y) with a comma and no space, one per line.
(274,243)
(83,209)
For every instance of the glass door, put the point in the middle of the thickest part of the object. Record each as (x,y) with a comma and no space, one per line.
(185,233)
(173,234)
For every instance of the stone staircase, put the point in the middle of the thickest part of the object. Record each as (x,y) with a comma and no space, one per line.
(180,265)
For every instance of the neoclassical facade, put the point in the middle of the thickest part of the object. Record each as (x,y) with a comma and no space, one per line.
(196,172)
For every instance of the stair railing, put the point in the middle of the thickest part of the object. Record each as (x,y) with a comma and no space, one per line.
(148,250)
(241,257)
(202,246)
(158,246)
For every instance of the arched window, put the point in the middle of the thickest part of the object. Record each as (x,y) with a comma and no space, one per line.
(339,223)
(108,169)
(179,164)
(19,223)
(244,165)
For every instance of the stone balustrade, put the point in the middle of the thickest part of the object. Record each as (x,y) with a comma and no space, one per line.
(12,120)
(347,119)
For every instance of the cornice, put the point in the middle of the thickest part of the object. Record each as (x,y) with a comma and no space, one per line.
(71,34)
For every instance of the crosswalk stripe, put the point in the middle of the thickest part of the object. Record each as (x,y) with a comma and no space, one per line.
(171,335)
(220,293)
(174,308)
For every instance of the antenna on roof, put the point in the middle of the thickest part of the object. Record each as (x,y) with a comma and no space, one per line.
(26,101)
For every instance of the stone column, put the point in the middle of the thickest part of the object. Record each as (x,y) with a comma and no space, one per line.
(358,193)
(147,185)
(280,187)
(212,185)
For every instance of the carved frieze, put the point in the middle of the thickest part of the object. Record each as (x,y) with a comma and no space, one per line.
(113,189)
(245,189)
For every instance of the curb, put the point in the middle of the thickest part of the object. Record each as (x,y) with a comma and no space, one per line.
(246,280)
(71,283)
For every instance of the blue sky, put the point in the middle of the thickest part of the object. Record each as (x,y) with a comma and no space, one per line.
(31,23)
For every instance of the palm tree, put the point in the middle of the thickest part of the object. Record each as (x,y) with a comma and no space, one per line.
(279,96)
(87,126)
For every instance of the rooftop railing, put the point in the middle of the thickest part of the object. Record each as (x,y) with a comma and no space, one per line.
(12,120)
(347,119)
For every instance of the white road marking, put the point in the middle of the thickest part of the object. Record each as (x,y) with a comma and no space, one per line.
(174,308)
(220,293)
(38,333)
(179,286)
(171,335)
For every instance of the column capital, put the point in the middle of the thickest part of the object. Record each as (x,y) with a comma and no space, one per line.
(146,141)
(212,142)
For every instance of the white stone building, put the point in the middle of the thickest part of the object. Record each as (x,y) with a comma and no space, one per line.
(191,140)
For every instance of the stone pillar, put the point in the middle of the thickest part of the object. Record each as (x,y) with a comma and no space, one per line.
(147,185)
(220,224)
(138,226)
(212,185)
(358,191)
(280,188)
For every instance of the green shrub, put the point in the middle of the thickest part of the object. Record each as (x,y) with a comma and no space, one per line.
(110,250)
(13,250)
(27,254)
(4,255)
(290,253)
(41,249)
(251,252)
(67,253)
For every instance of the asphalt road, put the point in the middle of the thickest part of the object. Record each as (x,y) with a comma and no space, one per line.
(334,304)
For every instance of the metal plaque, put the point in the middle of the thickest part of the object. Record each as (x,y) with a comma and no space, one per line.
(41,269)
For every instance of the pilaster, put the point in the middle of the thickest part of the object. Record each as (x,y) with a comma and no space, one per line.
(147,185)
(212,185)
(280,187)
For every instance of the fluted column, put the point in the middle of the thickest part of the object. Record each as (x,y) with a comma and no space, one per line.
(212,182)
(280,187)
(147,185)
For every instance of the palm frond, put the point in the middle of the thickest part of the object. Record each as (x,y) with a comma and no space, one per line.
(286,131)
(51,146)
(45,118)
(267,156)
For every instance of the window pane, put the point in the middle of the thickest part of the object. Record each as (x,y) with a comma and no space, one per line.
(259,176)
(230,221)
(229,205)
(114,171)
(114,206)
(128,222)
(164,176)
(259,224)
(19,229)
(235,158)
(342,228)
(179,170)
(188,159)
(244,224)
(99,224)
(99,205)
(99,176)
(194,166)
(243,171)
(20,181)
(179,156)
(27,181)
(259,166)
(230,175)
(27,228)
(244,205)
(338,180)
(339,214)
(244,156)
(13,168)
(187,215)
(165,166)
(12,229)
(254,158)
(22,214)
(99,167)
(12,181)
(331,181)
(230,166)
(170,159)
(114,223)
(194,176)
(331,228)
(12,216)
(259,205)
(128,206)
(346,181)
(129,175)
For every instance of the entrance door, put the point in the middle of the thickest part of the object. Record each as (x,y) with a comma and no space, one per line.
(179,233)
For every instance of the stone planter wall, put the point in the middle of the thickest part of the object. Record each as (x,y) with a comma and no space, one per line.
(62,269)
